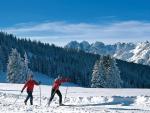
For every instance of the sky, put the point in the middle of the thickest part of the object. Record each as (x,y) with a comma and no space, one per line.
(62,21)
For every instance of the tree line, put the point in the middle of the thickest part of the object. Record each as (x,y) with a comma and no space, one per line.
(77,65)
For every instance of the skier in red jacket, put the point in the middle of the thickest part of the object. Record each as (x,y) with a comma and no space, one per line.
(55,89)
(30,85)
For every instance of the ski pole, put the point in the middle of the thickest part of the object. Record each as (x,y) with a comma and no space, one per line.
(66,94)
(17,98)
(40,94)
(40,91)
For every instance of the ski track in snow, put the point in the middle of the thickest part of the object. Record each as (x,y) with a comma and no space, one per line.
(80,102)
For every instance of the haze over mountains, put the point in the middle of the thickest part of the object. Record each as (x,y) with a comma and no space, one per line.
(131,52)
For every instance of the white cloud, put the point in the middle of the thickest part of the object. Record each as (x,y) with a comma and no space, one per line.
(60,32)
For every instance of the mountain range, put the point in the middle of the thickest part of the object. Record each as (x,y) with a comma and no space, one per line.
(131,52)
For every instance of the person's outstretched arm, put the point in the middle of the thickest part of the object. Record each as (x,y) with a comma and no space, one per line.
(65,80)
(37,83)
(24,86)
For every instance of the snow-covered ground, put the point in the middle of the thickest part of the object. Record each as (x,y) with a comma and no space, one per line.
(79,100)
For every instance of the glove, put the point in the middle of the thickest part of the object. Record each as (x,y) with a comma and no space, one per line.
(21,91)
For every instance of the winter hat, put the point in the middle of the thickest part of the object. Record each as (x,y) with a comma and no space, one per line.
(59,76)
(31,76)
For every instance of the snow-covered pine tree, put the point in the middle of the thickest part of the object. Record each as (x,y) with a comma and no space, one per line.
(15,68)
(114,79)
(98,76)
(106,60)
(26,70)
(95,74)
(106,73)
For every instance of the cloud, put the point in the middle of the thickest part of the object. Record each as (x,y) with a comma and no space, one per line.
(61,33)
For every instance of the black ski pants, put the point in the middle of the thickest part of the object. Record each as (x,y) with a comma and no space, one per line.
(29,96)
(53,92)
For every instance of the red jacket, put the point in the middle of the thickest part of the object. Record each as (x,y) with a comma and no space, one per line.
(30,85)
(58,82)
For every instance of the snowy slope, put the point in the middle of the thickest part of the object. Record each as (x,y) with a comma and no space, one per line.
(45,80)
(141,54)
(37,76)
(131,52)
(79,100)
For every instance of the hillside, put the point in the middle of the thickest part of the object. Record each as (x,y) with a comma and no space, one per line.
(49,59)
(77,65)
(44,79)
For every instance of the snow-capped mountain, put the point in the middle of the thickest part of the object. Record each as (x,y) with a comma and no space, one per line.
(141,53)
(102,49)
(131,52)
(79,46)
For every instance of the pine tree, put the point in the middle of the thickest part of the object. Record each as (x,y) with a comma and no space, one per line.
(26,70)
(15,68)
(106,73)
(114,79)
(98,76)
(95,75)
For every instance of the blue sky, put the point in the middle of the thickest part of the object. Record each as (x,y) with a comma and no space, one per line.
(60,21)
